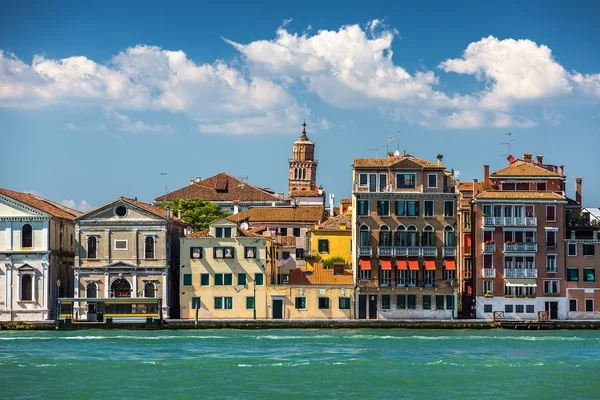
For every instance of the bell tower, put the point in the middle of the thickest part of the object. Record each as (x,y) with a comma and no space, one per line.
(303,167)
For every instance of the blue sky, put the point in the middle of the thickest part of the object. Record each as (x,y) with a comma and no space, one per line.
(97,99)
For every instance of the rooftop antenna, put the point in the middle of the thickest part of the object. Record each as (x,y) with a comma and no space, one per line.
(165,174)
(243,179)
(509,144)
(376,152)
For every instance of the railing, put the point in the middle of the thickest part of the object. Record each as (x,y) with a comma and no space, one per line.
(489,272)
(429,251)
(448,251)
(411,251)
(520,273)
(385,251)
(520,246)
(489,247)
(365,251)
(510,221)
(286,241)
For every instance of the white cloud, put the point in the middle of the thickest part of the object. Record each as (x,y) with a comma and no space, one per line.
(589,84)
(465,119)
(552,117)
(82,206)
(83,128)
(127,125)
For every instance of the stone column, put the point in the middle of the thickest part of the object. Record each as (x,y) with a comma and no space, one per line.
(18,285)
(8,286)
(165,297)
(135,284)
(8,235)
(137,247)
(45,288)
(106,285)
(108,254)
(76,285)
(45,236)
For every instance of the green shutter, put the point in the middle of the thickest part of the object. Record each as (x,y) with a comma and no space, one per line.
(259,279)
(412,302)
(300,303)
(589,275)
(385,301)
(242,279)
(218,303)
(218,279)
(572,274)
(196,303)
(228,303)
(204,279)
(250,303)
(426,302)
(401,302)
(439,302)
(449,302)
(187,279)
(228,279)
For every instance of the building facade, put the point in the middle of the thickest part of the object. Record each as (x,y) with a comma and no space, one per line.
(330,240)
(302,180)
(127,248)
(404,238)
(36,249)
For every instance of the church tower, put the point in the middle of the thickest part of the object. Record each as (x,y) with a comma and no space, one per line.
(303,168)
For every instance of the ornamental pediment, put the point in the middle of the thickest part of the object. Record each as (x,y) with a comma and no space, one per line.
(406,164)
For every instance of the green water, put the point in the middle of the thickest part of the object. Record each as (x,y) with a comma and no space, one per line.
(364,363)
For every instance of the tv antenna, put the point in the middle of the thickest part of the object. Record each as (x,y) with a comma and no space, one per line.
(376,152)
(243,179)
(165,174)
(508,143)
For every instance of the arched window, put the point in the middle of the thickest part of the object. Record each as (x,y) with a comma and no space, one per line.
(303,173)
(121,288)
(295,173)
(92,290)
(26,287)
(413,236)
(428,236)
(364,236)
(449,238)
(26,236)
(400,236)
(149,249)
(385,236)
(92,246)
(149,290)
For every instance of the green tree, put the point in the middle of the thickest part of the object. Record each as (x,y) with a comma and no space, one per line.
(198,213)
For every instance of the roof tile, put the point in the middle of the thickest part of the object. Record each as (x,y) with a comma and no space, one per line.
(47,206)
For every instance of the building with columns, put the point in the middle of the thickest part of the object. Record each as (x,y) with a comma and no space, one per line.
(127,248)
(36,255)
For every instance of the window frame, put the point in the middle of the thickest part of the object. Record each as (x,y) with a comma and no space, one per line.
(248,300)
(239,280)
(575,275)
(247,249)
(262,279)
(223,249)
(404,186)
(571,300)
(569,254)
(381,203)
(302,300)
(551,207)
(324,298)
(324,241)
(589,245)
(192,253)
(153,241)
(358,206)
(196,300)
(425,203)
(346,305)
(588,301)
(183,280)
(585,272)
(95,239)
(387,305)
(452,208)
(204,276)
(121,240)
(27,236)
(429,176)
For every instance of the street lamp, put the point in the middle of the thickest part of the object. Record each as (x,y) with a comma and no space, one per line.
(57,297)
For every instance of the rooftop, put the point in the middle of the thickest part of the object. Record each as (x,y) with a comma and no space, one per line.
(320,276)
(333,224)
(522,168)
(44,205)
(299,214)
(392,160)
(494,194)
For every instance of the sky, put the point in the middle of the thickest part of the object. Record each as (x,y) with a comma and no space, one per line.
(100,99)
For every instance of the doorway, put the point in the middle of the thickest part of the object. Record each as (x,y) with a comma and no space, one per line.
(92,312)
(373,306)
(277,308)
(552,309)
(362,306)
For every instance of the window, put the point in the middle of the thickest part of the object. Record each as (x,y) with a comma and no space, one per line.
(428,208)
(508,308)
(385,302)
(519,308)
(195,253)
(412,208)
(26,236)
(300,303)
(551,287)
(259,279)
(363,180)
(149,290)
(401,302)
(589,275)
(550,213)
(323,303)
(530,309)
(412,301)
(589,305)
(428,236)
(572,274)
(223,252)
(572,249)
(223,232)
(449,302)
(223,303)
(541,187)
(364,237)
(449,209)
(285,255)
(405,181)
(323,245)
(429,278)
(400,208)
(187,279)
(196,303)
(385,236)
(426,302)
(344,303)
(250,303)
(299,254)
(92,290)
(487,308)
(439,302)
(551,238)
(363,207)
(204,279)
(488,287)
(223,279)
(92,246)
(249,252)
(432,180)
(120,244)
(297,232)
(572,304)
(283,231)
(121,211)
(551,263)
(241,280)
(383,208)
(382,182)
(589,250)
(149,247)
(449,238)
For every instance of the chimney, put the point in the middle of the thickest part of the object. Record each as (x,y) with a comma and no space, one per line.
(404,152)
(539,159)
(168,212)
(191,182)
(179,213)
(562,170)
(475,188)
(331,203)
(486,174)
(236,206)
(578,190)
(527,157)
(281,196)
(440,157)
(198,179)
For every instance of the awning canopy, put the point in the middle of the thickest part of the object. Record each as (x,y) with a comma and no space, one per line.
(413,264)
(401,264)
(365,263)
(520,282)
(450,264)
(430,264)
(386,264)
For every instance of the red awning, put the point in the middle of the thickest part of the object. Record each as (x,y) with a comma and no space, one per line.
(430,264)
(413,264)
(450,264)
(386,264)
(401,264)
(365,263)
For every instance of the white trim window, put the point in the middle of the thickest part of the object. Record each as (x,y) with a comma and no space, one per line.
(448,208)
(551,263)
(488,287)
(432,183)
(428,208)
(406,180)
(149,247)
(383,208)
(368,180)
(27,284)
(121,244)
(551,287)
(363,207)
(572,249)
(551,213)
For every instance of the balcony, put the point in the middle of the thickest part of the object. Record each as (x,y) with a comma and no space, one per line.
(429,251)
(489,248)
(520,273)
(508,247)
(286,241)
(489,272)
(411,251)
(385,251)
(364,251)
(448,251)
(509,221)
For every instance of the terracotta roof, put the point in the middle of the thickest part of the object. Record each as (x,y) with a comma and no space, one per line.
(345,200)
(465,186)
(301,214)
(520,168)
(241,232)
(391,160)
(333,224)
(221,187)
(47,206)
(520,195)
(320,276)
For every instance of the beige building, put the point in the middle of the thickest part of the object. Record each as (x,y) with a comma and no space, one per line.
(224,273)
(36,253)
(126,248)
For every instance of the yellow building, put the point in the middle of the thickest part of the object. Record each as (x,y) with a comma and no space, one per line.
(331,239)
(224,273)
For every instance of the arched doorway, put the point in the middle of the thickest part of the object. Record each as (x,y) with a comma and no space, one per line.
(121,288)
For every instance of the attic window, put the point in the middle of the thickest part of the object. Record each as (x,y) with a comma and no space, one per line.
(121,211)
